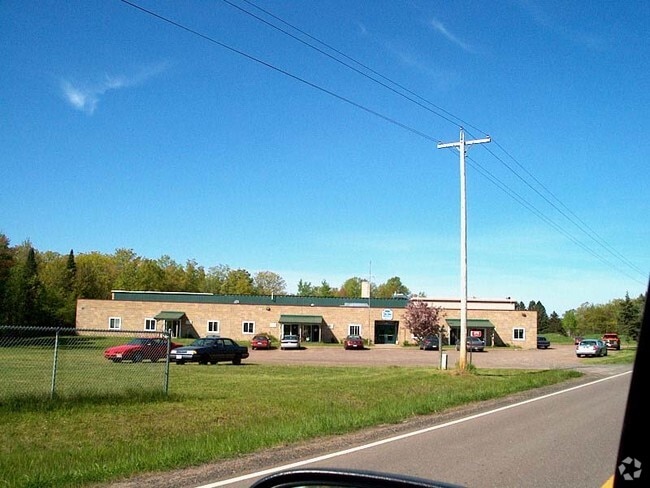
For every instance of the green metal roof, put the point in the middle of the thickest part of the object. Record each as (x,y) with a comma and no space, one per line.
(471,323)
(169,315)
(266,300)
(301,319)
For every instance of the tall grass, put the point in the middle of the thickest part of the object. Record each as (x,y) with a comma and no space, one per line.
(218,412)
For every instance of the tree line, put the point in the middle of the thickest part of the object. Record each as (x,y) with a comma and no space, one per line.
(620,315)
(41,288)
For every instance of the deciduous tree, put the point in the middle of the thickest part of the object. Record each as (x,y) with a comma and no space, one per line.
(268,282)
(422,320)
(392,287)
(238,282)
(351,288)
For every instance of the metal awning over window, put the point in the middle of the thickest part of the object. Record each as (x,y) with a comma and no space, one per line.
(168,315)
(301,319)
(471,323)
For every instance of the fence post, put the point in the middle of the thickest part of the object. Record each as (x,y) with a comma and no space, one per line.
(169,342)
(55,364)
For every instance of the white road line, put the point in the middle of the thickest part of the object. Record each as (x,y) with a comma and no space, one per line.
(398,437)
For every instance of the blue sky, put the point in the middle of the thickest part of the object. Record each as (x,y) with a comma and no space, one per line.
(245,147)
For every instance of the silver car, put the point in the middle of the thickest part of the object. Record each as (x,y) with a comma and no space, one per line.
(290,342)
(591,347)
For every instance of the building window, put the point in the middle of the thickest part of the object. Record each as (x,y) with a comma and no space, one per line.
(149,324)
(354,329)
(115,323)
(248,327)
(519,334)
(213,326)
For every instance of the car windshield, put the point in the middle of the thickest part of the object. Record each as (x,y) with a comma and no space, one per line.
(139,342)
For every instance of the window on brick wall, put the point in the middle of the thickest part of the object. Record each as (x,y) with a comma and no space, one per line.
(518,334)
(248,327)
(115,323)
(149,324)
(213,326)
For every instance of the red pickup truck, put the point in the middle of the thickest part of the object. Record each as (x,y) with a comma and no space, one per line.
(612,341)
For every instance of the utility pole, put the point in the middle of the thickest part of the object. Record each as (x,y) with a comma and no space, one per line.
(461,145)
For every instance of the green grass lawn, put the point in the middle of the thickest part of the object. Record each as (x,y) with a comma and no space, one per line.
(217,412)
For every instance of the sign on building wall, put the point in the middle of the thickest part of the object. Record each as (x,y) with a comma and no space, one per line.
(387,314)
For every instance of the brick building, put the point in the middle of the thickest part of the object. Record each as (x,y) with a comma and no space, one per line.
(316,319)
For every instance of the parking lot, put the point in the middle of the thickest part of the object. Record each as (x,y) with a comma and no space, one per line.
(562,356)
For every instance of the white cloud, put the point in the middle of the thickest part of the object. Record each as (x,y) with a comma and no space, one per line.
(552,21)
(80,98)
(85,97)
(437,25)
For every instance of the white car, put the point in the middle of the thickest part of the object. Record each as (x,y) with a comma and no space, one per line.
(290,342)
(591,347)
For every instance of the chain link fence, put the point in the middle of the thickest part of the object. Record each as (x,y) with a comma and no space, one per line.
(37,362)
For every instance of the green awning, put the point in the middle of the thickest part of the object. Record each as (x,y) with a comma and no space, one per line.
(471,323)
(167,315)
(301,319)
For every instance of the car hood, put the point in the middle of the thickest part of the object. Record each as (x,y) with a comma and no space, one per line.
(123,348)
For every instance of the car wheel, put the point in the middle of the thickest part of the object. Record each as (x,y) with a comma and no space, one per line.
(117,360)
(236,360)
(154,359)
(181,362)
(137,357)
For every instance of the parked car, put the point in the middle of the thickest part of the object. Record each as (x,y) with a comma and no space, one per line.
(261,342)
(591,347)
(290,342)
(139,349)
(209,350)
(430,343)
(473,344)
(543,342)
(612,340)
(353,342)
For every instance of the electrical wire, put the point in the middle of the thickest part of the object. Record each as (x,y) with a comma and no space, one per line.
(437,111)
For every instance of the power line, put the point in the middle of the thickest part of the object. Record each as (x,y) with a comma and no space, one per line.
(282,71)
(445,115)
(448,117)
(439,111)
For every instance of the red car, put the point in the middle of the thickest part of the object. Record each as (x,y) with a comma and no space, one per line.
(353,342)
(140,349)
(261,342)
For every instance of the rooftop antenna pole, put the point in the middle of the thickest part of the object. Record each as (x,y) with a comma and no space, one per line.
(461,145)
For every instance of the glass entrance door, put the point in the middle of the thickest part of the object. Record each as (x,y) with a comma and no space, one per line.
(173,327)
(312,332)
(386,332)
